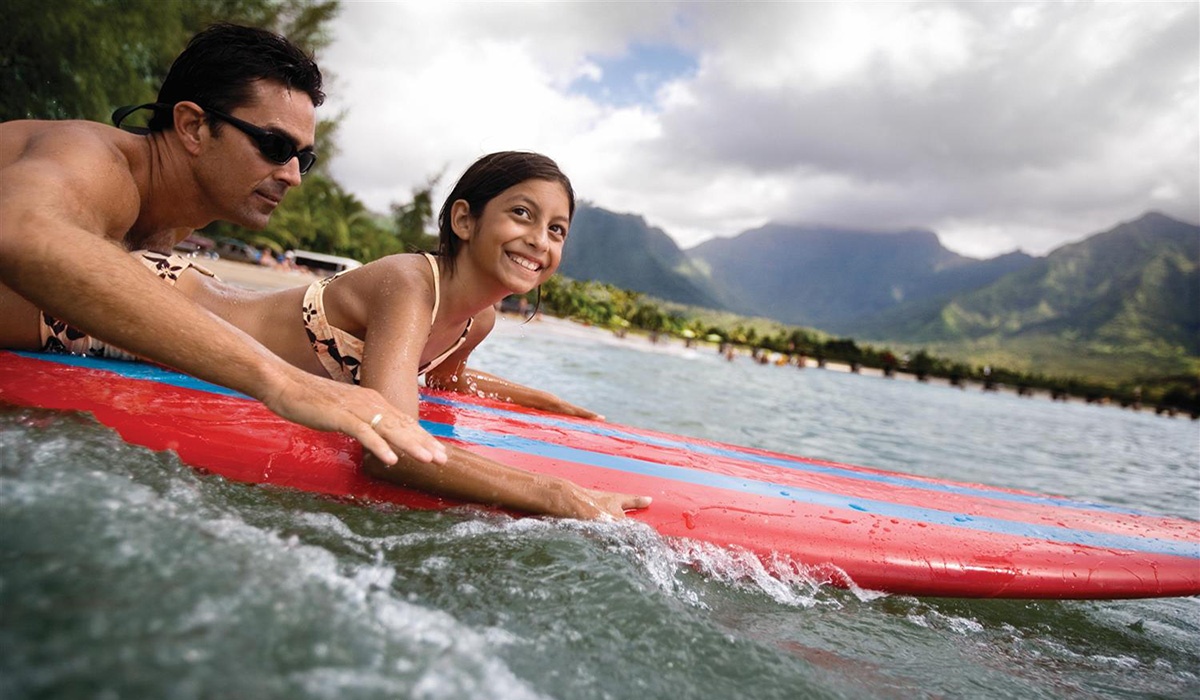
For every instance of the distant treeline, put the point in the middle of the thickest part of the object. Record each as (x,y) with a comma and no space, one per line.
(607,306)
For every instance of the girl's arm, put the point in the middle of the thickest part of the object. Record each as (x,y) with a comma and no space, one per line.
(479,383)
(455,375)
(399,326)
(467,476)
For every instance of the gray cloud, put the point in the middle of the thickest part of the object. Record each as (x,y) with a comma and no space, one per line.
(999,125)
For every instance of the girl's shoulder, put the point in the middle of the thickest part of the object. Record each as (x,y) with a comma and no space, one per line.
(395,271)
(391,282)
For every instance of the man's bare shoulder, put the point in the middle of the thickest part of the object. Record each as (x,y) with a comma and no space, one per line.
(78,165)
(71,142)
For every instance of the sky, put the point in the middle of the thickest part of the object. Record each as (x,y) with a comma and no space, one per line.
(999,125)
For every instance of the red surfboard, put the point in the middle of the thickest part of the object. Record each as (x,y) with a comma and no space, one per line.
(879,530)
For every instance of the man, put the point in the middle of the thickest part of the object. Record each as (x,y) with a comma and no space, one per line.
(232,131)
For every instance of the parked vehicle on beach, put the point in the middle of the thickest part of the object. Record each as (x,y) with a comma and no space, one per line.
(198,245)
(237,250)
(321,263)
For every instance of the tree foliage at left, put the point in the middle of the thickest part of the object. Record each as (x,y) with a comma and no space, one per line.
(81,59)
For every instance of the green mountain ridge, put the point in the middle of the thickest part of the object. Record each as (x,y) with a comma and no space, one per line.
(1120,304)
(825,277)
(1129,296)
(623,250)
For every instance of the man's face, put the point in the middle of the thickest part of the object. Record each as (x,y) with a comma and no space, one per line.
(242,184)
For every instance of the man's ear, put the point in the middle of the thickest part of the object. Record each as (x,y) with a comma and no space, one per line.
(461,221)
(191,125)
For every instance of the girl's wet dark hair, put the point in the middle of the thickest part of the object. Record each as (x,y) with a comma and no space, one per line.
(487,178)
(220,63)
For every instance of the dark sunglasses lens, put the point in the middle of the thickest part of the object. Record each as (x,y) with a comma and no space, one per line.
(276,148)
(280,149)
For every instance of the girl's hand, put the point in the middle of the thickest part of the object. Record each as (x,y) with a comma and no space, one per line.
(568,409)
(591,504)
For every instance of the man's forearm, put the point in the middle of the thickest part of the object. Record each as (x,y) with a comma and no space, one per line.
(97,287)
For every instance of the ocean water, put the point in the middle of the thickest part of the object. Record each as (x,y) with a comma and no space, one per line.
(125,574)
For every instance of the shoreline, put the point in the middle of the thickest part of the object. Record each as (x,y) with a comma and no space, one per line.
(640,341)
(264,278)
(256,277)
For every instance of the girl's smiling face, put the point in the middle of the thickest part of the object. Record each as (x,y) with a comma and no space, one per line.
(520,234)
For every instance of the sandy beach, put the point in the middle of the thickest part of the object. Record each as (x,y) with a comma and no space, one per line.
(256,276)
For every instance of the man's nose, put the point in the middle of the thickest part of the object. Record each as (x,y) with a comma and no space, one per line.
(289,172)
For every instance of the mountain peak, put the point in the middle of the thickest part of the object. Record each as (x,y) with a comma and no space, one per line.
(624,250)
(1156,218)
(825,275)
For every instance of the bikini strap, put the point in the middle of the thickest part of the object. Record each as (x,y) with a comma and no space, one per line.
(437,286)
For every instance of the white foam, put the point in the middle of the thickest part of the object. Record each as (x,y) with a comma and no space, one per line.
(453,659)
(664,561)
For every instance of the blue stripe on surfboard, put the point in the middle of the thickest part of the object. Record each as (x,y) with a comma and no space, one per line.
(134,370)
(1050,533)
(143,371)
(796,464)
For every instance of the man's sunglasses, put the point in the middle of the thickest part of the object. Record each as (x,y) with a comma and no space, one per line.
(275,147)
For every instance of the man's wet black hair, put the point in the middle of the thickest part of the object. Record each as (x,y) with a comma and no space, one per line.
(220,64)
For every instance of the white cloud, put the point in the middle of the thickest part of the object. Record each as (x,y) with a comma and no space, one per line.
(996,124)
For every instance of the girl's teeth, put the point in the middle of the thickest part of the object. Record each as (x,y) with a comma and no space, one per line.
(527,264)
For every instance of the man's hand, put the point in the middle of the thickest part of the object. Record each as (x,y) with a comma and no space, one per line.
(324,404)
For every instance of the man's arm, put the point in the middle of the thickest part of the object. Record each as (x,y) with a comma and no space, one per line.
(54,253)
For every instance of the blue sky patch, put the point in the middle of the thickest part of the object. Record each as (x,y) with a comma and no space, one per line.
(635,76)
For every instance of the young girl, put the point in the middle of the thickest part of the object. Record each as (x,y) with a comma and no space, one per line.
(501,232)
